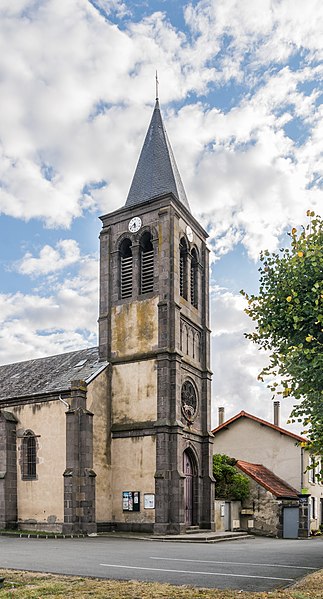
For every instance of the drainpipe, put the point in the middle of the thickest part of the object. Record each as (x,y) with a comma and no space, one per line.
(302,468)
(64,402)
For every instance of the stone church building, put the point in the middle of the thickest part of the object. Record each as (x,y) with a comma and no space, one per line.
(117,437)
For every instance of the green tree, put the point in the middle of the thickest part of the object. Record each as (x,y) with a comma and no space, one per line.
(288,312)
(229,484)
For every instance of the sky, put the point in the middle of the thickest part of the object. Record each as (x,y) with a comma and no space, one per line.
(240,88)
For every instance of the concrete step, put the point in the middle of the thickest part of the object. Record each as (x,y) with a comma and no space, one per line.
(193,529)
(205,537)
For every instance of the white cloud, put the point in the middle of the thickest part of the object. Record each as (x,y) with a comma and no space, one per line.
(236,363)
(107,7)
(270,31)
(247,179)
(67,252)
(67,116)
(66,319)
(74,91)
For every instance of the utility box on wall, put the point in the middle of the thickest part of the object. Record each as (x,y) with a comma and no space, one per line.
(227,515)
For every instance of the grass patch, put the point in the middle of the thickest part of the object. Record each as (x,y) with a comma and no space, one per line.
(32,585)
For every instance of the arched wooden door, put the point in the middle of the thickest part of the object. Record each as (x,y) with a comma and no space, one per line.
(188,489)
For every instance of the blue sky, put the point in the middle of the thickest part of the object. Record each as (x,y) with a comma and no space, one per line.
(240,87)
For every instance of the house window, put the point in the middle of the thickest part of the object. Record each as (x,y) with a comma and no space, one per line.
(183,268)
(313,508)
(194,279)
(29,456)
(125,252)
(312,470)
(146,263)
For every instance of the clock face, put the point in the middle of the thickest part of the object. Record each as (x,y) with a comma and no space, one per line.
(189,233)
(134,224)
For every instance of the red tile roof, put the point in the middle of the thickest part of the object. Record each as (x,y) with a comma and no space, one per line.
(244,414)
(267,479)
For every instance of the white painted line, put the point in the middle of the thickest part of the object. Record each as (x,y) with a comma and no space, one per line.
(205,561)
(191,572)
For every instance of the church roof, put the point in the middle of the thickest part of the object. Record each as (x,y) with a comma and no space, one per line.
(156,172)
(48,375)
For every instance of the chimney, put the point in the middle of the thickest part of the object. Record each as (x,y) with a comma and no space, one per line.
(276,413)
(221,416)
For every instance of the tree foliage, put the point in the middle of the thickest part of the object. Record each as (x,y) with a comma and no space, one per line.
(229,484)
(289,314)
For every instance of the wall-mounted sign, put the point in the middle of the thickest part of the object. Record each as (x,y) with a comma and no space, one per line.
(131,501)
(149,501)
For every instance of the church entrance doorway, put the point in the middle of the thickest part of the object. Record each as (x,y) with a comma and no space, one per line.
(189,488)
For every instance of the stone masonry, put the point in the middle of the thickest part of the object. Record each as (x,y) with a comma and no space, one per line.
(79,476)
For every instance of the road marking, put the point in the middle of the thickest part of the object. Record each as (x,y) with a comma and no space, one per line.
(204,561)
(191,572)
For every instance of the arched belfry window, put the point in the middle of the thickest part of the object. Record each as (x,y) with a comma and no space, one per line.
(194,279)
(146,263)
(125,251)
(183,267)
(29,456)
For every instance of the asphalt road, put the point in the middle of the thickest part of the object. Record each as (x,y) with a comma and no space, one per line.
(251,565)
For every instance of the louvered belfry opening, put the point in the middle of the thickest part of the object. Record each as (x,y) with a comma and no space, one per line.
(125,269)
(194,282)
(183,268)
(146,263)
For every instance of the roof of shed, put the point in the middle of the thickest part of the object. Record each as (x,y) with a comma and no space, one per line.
(49,375)
(267,479)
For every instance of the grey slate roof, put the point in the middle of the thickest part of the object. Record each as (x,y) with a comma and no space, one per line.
(156,172)
(48,375)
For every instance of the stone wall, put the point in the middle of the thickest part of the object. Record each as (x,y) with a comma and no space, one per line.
(261,512)
(41,500)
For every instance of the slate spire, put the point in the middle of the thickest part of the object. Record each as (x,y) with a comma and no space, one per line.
(156,172)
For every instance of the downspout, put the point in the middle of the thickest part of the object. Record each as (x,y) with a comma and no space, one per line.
(64,402)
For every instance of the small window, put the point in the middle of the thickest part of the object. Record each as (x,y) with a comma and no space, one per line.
(146,264)
(29,456)
(312,469)
(183,268)
(194,279)
(125,252)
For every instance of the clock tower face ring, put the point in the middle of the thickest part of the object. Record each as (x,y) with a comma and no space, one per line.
(189,233)
(189,401)
(134,224)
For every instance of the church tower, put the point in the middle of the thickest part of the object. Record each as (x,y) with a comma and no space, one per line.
(154,332)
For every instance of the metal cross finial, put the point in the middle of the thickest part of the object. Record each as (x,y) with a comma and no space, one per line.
(157,82)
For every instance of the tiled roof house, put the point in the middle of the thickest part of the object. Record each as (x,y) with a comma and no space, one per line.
(252,440)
